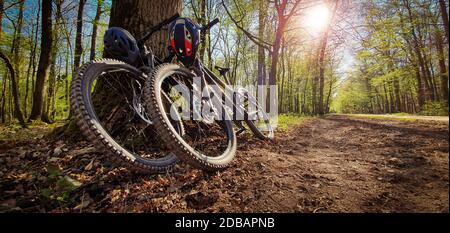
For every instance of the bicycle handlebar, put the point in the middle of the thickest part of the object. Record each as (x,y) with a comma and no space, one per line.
(157,28)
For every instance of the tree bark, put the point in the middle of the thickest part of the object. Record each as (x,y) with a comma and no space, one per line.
(15,50)
(44,60)
(442,65)
(282,75)
(98,13)
(202,19)
(50,102)
(283,18)
(137,16)
(323,48)
(262,11)
(2,5)
(444,16)
(3,97)
(14,90)
(261,70)
(78,37)
(31,62)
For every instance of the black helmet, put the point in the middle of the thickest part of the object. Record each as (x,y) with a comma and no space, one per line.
(121,45)
(184,39)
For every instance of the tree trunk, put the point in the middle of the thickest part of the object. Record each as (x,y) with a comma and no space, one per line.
(290,77)
(203,20)
(17,41)
(416,46)
(15,50)
(276,52)
(386,100)
(32,59)
(323,46)
(78,37)
(261,53)
(444,16)
(49,104)
(327,105)
(14,90)
(283,74)
(397,95)
(261,72)
(140,15)
(3,97)
(44,60)
(98,13)
(442,66)
(2,5)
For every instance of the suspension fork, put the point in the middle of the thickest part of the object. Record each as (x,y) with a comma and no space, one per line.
(225,89)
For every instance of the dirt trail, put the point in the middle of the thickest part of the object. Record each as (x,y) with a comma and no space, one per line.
(412,117)
(341,164)
(332,164)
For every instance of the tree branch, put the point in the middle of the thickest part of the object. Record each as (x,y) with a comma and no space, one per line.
(256,40)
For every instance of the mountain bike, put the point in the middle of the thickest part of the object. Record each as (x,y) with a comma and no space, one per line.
(209,140)
(107,105)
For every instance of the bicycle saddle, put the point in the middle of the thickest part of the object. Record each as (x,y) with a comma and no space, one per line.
(222,70)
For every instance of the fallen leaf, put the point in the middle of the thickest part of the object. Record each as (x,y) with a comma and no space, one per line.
(86,200)
(89,166)
(86,150)
(53,159)
(200,200)
(57,151)
(35,154)
(72,181)
(9,203)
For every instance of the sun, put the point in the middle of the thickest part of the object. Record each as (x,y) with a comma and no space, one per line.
(316,18)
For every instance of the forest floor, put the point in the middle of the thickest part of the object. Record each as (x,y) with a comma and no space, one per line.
(331,164)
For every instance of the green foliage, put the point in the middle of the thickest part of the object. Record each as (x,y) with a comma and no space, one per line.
(352,97)
(434,109)
(387,67)
(58,187)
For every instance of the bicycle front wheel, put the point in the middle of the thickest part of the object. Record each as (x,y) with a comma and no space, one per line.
(256,117)
(105,101)
(208,145)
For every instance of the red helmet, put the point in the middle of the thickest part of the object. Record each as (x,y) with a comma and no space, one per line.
(184,39)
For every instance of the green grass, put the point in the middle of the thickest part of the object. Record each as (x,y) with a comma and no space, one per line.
(402,114)
(37,129)
(285,121)
(385,117)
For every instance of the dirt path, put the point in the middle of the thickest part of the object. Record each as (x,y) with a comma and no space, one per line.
(341,164)
(425,118)
(333,164)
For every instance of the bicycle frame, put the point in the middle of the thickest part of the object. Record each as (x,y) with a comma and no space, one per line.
(210,78)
